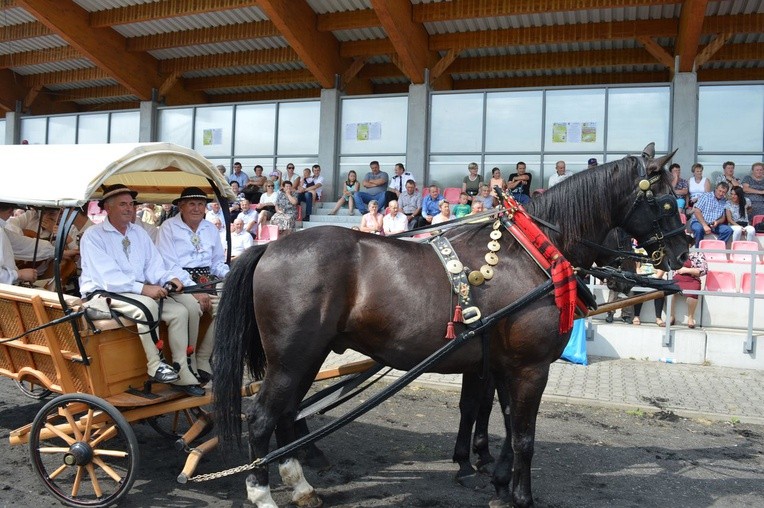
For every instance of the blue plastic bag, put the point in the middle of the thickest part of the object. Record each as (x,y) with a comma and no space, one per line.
(575,351)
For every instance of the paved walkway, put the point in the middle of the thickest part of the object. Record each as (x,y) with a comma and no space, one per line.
(718,393)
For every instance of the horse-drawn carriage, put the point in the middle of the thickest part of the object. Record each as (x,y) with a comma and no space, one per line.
(81,442)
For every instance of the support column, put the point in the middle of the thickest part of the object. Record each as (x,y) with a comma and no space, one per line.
(417,132)
(684,120)
(12,128)
(328,143)
(148,130)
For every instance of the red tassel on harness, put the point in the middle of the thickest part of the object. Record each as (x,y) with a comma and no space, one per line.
(160,345)
(458,318)
(450,334)
(189,350)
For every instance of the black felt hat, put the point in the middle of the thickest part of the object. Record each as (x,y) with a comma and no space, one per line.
(191,193)
(115,190)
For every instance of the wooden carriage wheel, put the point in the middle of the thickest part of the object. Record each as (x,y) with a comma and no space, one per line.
(83,450)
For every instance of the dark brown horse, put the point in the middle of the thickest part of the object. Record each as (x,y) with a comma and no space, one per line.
(332,289)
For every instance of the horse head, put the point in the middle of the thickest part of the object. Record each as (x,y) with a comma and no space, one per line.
(653,215)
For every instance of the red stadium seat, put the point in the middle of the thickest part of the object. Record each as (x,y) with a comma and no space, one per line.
(743,245)
(745,285)
(756,219)
(269,232)
(720,281)
(452,194)
(714,245)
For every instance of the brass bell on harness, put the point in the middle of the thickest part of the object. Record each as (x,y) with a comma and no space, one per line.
(497,224)
(495,234)
(475,278)
(487,272)
(494,246)
(644,185)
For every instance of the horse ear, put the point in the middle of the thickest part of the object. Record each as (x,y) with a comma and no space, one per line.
(649,151)
(657,164)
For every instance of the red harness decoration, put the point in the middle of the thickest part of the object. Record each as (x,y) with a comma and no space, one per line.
(549,258)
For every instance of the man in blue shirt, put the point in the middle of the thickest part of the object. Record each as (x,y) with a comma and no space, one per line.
(238,176)
(431,204)
(375,186)
(709,215)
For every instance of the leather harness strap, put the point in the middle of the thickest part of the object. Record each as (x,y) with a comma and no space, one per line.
(457,275)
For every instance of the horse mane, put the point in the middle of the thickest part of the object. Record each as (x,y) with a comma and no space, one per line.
(583,205)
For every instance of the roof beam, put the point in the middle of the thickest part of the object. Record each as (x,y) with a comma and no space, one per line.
(320,51)
(105,47)
(274,95)
(469,9)
(164,9)
(23,31)
(752,74)
(409,38)
(12,90)
(712,48)
(94,92)
(229,60)
(347,20)
(657,51)
(565,80)
(61,77)
(252,79)
(690,28)
(209,35)
(38,57)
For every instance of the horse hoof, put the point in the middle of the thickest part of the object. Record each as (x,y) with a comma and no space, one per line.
(498,503)
(310,500)
(473,481)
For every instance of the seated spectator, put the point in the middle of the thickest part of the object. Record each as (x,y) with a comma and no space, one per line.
(236,189)
(431,204)
(472,182)
(496,181)
(519,184)
(240,239)
(374,187)
(681,187)
(9,274)
(238,176)
(168,211)
(215,212)
(410,203)
(249,216)
(305,193)
(318,184)
(395,221)
(266,207)
(151,229)
(477,207)
(559,176)
(688,278)
(710,215)
(221,231)
(372,221)
(738,207)
(351,186)
(445,213)
(286,209)
(259,179)
(397,184)
(463,208)
(275,178)
(485,196)
(252,191)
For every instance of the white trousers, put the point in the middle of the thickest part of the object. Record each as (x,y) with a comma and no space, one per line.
(737,232)
(202,345)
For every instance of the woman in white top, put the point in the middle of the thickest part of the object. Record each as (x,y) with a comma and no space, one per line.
(445,213)
(738,207)
(698,184)
(267,206)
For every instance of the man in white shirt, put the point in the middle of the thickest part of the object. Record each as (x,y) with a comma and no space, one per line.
(240,239)
(9,274)
(118,257)
(395,221)
(215,211)
(192,244)
(559,176)
(398,182)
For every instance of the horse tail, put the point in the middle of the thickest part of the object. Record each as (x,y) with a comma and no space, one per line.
(236,324)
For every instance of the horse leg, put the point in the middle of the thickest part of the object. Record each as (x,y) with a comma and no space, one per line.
(526,385)
(261,425)
(502,470)
(310,455)
(468,411)
(303,494)
(480,440)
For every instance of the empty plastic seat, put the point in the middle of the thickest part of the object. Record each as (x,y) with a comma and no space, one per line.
(452,194)
(756,219)
(745,284)
(714,245)
(741,246)
(720,281)
(269,232)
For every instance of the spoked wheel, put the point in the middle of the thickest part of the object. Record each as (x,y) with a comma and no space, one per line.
(83,450)
(33,389)
(174,424)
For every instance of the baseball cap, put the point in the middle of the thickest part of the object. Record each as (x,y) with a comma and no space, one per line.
(592,162)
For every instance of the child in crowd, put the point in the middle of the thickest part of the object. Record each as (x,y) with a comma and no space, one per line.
(463,208)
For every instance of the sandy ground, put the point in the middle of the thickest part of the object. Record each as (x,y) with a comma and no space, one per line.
(400,455)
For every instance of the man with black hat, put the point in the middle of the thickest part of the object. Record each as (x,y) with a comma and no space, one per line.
(192,245)
(123,268)
(9,274)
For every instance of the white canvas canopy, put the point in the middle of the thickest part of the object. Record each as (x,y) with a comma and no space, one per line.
(72,175)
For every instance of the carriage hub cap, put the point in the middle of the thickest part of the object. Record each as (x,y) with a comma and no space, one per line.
(80,454)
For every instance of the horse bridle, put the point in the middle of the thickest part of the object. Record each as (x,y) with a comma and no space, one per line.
(662,208)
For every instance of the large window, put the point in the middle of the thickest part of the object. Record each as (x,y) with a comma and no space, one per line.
(373,126)
(731,119)
(499,129)
(85,128)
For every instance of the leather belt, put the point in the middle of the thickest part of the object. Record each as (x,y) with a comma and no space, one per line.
(457,275)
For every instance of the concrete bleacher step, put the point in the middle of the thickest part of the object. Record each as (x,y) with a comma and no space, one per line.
(321,217)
